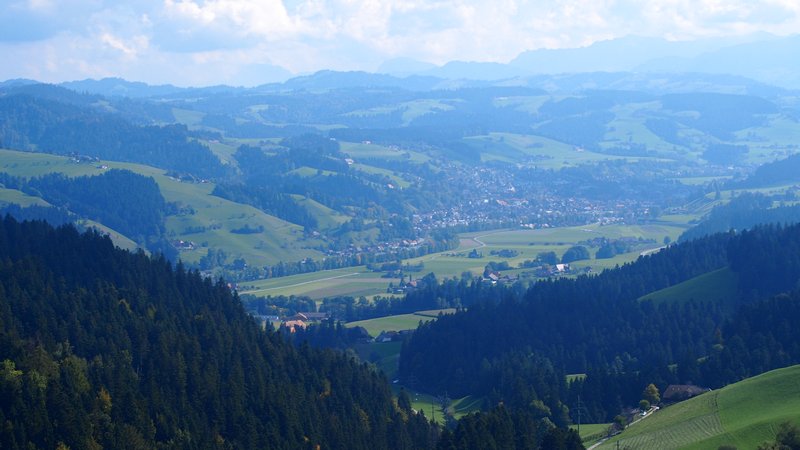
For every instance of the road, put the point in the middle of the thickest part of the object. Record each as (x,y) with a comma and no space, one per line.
(648,414)
(652,250)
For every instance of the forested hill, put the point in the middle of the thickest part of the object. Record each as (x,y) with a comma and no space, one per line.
(62,127)
(520,349)
(102,348)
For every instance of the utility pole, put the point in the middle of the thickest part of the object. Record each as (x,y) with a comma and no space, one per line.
(579,415)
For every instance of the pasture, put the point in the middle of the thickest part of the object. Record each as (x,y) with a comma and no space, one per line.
(591,432)
(399,322)
(357,281)
(743,414)
(718,286)
(20,198)
(208,221)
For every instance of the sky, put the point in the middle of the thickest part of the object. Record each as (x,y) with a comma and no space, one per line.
(250,42)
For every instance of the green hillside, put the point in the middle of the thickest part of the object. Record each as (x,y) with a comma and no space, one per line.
(204,219)
(399,322)
(743,414)
(719,285)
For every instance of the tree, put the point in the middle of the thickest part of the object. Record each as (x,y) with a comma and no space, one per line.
(788,438)
(403,401)
(547,258)
(651,394)
(575,253)
(644,405)
(620,421)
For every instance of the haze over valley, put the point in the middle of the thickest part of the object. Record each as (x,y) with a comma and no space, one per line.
(231,224)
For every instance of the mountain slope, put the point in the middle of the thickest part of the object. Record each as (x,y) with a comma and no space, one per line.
(743,414)
(104,348)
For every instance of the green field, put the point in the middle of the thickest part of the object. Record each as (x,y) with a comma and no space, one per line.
(410,110)
(743,414)
(20,198)
(432,406)
(396,180)
(592,432)
(216,217)
(386,357)
(534,150)
(353,281)
(357,281)
(326,217)
(399,322)
(368,150)
(717,286)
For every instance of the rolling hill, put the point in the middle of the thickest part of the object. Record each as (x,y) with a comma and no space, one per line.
(203,220)
(718,285)
(743,414)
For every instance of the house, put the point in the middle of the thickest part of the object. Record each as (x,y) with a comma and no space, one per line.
(387,336)
(293,325)
(680,392)
(314,316)
(491,277)
(359,334)
(309,316)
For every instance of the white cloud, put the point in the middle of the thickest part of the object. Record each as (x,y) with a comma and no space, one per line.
(212,41)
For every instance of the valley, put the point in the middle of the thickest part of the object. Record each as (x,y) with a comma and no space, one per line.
(498,253)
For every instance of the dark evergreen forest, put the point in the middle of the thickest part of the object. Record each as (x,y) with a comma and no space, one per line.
(103,348)
(54,126)
(126,202)
(518,347)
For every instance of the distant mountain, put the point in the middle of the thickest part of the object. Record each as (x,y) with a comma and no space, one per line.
(404,67)
(327,79)
(16,82)
(654,83)
(771,61)
(487,71)
(762,57)
(614,55)
(117,87)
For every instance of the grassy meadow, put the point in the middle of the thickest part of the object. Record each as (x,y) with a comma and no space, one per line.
(210,224)
(743,414)
(718,286)
(357,281)
(399,322)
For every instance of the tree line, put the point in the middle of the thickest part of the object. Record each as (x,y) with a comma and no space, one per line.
(518,347)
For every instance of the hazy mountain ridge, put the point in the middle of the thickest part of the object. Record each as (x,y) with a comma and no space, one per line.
(762,58)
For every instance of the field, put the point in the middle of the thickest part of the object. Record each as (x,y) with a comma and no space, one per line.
(717,286)
(538,151)
(592,432)
(357,281)
(743,414)
(399,322)
(353,281)
(210,224)
(432,406)
(367,150)
(20,198)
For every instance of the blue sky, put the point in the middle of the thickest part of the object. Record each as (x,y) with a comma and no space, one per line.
(249,42)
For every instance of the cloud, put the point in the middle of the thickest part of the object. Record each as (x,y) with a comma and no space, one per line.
(214,41)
